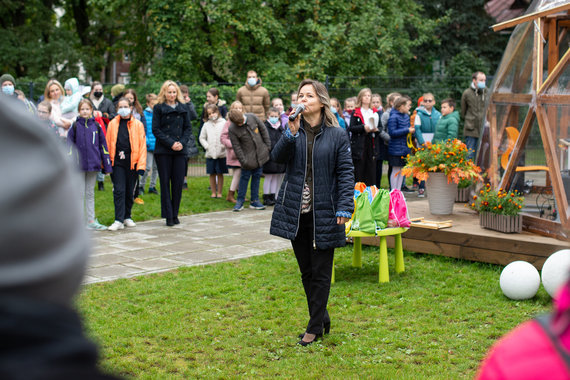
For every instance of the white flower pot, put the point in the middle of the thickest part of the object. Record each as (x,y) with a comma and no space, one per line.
(441,195)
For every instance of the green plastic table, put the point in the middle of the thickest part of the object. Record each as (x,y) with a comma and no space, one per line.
(383,275)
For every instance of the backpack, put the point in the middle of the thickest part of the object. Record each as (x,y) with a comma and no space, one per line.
(399,208)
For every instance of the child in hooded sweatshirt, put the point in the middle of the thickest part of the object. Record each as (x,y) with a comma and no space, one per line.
(273,171)
(86,139)
(73,95)
(210,138)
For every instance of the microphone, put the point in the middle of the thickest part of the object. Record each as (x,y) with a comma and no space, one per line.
(300,108)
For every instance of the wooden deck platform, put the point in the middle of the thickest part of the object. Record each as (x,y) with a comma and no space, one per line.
(467,240)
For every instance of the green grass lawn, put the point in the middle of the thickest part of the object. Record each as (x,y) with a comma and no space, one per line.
(241,319)
(194,200)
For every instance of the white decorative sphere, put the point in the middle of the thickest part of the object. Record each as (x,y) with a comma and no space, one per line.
(555,271)
(519,280)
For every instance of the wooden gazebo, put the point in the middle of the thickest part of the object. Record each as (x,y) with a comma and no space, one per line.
(526,142)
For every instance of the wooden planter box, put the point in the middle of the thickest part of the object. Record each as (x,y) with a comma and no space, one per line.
(463,195)
(501,223)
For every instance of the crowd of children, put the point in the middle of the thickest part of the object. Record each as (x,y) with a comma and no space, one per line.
(116,136)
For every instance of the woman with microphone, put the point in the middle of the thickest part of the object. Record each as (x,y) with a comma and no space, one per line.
(315,199)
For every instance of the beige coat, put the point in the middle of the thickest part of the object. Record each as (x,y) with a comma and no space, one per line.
(255,100)
(210,138)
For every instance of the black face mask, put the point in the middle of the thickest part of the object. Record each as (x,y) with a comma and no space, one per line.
(97,94)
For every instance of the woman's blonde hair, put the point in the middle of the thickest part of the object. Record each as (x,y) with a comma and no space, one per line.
(361,95)
(50,83)
(162,94)
(323,94)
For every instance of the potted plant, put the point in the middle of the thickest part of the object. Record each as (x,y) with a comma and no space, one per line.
(442,165)
(464,188)
(499,210)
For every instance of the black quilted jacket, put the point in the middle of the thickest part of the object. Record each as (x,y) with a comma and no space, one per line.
(333,185)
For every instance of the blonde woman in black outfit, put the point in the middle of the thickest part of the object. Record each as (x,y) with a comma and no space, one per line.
(172,129)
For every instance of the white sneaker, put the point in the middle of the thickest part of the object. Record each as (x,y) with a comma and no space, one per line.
(129,223)
(116,226)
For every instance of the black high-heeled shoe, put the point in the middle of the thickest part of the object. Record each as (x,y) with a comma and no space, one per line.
(326,330)
(305,344)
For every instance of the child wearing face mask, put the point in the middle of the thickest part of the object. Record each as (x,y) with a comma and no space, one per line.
(337,111)
(349,106)
(127,149)
(283,116)
(86,141)
(210,138)
(273,171)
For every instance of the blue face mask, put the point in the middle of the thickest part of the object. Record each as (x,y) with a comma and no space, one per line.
(124,112)
(8,90)
(333,109)
(481,85)
(273,120)
(251,81)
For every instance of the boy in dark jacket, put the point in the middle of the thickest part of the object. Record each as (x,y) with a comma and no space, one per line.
(251,145)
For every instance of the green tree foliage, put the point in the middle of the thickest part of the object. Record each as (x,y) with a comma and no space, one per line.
(285,40)
(196,40)
(465,31)
(31,43)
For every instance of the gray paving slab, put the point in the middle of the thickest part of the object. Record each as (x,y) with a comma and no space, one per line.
(200,239)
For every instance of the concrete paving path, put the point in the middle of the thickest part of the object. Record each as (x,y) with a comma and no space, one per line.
(200,239)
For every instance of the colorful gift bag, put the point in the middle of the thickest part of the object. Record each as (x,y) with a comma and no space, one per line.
(399,209)
(363,220)
(381,208)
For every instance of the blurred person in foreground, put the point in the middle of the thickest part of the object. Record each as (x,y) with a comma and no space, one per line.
(536,349)
(41,268)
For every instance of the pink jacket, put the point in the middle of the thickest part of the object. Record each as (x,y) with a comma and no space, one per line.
(231,158)
(527,352)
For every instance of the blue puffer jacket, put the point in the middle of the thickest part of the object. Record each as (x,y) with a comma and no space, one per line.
(333,185)
(398,128)
(150,139)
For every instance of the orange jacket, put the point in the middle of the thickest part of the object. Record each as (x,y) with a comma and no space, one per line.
(136,137)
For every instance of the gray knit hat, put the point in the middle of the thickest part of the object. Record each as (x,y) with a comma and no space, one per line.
(7,77)
(43,243)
